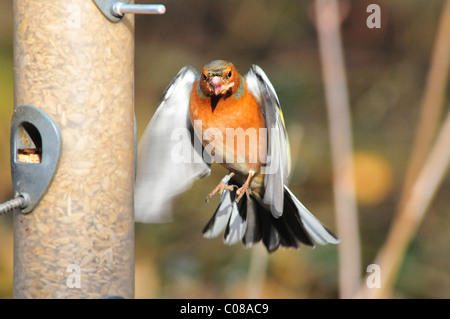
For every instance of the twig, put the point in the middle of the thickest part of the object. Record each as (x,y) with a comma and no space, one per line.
(257,272)
(432,102)
(409,218)
(259,258)
(331,53)
(424,174)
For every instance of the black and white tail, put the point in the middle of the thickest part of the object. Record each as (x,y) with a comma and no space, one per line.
(250,221)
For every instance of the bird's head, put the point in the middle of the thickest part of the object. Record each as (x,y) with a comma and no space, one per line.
(219,78)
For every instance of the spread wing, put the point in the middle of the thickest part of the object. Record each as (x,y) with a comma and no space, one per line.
(168,163)
(277,166)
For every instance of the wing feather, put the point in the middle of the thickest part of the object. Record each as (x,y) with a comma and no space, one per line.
(168,163)
(277,166)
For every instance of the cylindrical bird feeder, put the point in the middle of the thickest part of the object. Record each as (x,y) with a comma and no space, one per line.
(77,67)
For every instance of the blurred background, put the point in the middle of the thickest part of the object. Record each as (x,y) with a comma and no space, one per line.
(386,72)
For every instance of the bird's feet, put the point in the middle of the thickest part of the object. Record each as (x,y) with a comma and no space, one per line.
(245,189)
(222,186)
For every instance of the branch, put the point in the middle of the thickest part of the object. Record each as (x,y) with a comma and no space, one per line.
(409,218)
(330,46)
(424,174)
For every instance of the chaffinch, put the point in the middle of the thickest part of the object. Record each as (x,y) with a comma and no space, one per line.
(220,115)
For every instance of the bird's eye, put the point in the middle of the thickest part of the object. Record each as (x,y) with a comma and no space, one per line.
(229,75)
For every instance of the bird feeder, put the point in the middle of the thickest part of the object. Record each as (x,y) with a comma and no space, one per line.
(72,149)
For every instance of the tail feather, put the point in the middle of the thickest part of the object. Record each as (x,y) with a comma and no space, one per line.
(313,227)
(253,232)
(221,217)
(287,237)
(293,219)
(237,225)
(270,235)
(251,221)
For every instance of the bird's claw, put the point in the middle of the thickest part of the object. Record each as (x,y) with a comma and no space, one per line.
(241,191)
(221,187)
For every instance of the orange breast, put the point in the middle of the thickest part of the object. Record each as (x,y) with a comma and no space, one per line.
(232,129)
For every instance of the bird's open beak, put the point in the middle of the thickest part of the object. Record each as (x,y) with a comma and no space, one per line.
(217,84)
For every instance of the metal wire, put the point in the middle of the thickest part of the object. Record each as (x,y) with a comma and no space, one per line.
(11,205)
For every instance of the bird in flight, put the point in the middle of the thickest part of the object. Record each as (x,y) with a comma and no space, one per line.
(235,120)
